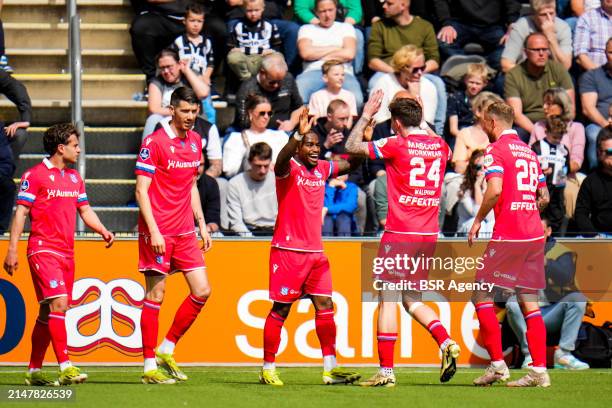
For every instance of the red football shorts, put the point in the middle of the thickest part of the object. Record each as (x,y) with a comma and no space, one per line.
(182,254)
(52,274)
(399,246)
(513,265)
(294,274)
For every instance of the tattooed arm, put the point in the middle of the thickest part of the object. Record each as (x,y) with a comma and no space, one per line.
(355,144)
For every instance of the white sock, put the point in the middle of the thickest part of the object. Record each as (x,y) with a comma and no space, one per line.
(150,364)
(329,363)
(167,347)
(269,366)
(387,371)
(33,370)
(65,365)
(539,370)
(445,343)
(498,364)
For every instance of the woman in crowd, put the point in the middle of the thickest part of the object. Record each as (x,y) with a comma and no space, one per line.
(471,193)
(237,145)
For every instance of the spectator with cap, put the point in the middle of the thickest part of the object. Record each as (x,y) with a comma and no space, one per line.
(469,21)
(324,40)
(544,20)
(275,83)
(251,198)
(593,33)
(596,96)
(594,204)
(525,84)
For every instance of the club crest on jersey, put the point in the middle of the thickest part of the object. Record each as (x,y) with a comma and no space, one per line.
(159,259)
(318,174)
(488,160)
(73,178)
(144,153)
(25,184)
(194,148)
(284,291)
(381,142)
(53,284)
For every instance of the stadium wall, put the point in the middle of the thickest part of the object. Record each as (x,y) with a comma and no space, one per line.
(103,323)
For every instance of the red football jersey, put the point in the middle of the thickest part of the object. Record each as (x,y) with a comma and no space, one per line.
(415,168)
(173,164)
(53,196)
(300,196)
(516,213)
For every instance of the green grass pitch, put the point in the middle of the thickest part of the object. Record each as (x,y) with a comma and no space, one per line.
(239,387)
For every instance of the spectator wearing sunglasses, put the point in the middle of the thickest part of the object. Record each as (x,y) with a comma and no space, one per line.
(594,205)
(471,193)
(525,84)
(408,68)
(237,146)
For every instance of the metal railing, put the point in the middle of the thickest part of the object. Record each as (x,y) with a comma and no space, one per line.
(76,91)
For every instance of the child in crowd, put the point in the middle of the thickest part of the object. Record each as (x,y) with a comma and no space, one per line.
(339,206)
(333,76)
(252,38)
(197,50)
(459,109)
(554,160)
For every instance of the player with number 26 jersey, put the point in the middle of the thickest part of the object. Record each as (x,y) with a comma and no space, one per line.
(517,217)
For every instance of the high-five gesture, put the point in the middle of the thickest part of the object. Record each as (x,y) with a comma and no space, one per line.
(369,130)
(306,122)
(373,104)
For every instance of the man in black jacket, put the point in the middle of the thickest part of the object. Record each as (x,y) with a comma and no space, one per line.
(7,186)
(470,21)
(594,204)
(17,93)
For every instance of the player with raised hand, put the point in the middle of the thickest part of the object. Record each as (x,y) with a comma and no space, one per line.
(169,201)
(50,194)
(415,162)
(514,259)
(298,266)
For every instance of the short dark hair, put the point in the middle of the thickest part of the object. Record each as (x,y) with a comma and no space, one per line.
(57,135)
(408,111)
(260,150)
(555,125)
(604,135)
(184,94)
(167,52)
(194,8)
(316,7)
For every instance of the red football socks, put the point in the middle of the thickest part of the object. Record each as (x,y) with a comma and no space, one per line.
(536,337)
(149,322)
(386,346)
(59,339)
(40,342)
(272,335)
(490,330)
(438,332)
(326,331)
(185,316)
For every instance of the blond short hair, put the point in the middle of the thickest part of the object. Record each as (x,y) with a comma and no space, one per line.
(478,70)
(405,56)
(501,111)
(537,5)
(483,100)
(327,65)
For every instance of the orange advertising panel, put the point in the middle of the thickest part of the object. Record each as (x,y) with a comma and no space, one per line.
(103,323)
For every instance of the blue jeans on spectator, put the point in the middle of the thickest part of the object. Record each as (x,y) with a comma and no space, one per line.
(288,31)
(309,82)
(488,37)
(440,117)
(152,121)
(563,317)
(592,131)
(342,222)
(360,51)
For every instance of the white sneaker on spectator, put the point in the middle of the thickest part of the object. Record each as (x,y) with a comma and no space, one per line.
(565,360)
